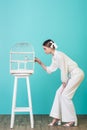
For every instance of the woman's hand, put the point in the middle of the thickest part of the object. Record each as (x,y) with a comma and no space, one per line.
(37,60)
(63,86)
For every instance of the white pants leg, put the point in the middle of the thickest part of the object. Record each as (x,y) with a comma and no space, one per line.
(63,107)
(56,108)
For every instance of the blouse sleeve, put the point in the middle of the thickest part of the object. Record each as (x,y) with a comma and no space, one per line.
(52,67)
(64,70)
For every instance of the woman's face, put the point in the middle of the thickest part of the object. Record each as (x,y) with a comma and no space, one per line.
(47,50)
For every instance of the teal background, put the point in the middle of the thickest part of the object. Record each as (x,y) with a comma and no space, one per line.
(33,21)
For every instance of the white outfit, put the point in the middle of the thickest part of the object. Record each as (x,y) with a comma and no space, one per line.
(63,107)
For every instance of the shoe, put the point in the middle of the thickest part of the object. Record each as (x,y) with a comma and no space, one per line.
(76,123)
(59,122)
(55,122)
(70,124)
(50,124)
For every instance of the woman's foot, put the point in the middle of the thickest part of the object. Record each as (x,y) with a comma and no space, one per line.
(55,122)
(69,124)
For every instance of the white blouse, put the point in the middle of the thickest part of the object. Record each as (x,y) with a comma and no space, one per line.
(63,62)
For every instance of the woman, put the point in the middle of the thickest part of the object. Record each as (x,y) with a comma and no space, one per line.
(71,77)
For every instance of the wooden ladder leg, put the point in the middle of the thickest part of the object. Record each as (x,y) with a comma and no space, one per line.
(30,102)
(13,103)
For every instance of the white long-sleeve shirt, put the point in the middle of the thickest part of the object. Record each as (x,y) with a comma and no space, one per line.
(63,62)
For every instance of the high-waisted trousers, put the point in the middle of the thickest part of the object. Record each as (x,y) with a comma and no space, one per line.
(63,107)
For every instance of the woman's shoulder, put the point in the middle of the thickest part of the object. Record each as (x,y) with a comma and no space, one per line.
(59,54)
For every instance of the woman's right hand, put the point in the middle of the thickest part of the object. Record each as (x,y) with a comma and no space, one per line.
(37,60)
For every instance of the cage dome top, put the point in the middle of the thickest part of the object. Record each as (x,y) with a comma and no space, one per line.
(22,47)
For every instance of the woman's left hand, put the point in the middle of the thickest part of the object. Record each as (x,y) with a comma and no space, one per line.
(63,86)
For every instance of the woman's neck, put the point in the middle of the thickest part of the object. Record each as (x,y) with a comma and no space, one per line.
(52,52)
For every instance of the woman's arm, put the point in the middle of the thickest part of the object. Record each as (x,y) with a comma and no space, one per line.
(48,69)
(40,63)
(64,70)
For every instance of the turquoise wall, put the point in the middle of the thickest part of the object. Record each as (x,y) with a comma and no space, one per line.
(33,21)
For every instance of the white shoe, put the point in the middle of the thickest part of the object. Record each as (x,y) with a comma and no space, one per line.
(51,124)
(76,123)
(70,124)
(57,122)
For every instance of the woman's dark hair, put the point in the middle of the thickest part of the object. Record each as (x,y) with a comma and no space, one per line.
(48,43)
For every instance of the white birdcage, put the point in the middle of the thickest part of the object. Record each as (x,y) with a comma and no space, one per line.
(21,66)
(22,59)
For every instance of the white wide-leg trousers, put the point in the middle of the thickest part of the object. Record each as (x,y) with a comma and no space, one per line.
(63,107)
